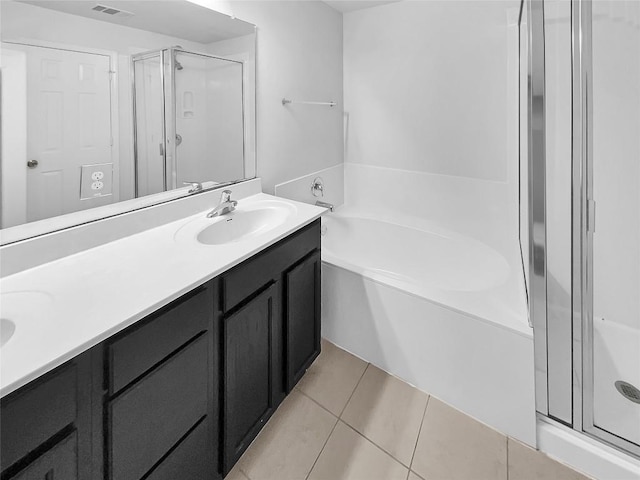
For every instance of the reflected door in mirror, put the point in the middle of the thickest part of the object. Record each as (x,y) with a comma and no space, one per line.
(68,109)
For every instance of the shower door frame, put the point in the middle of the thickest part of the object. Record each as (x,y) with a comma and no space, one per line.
(583,229)
(134,59)
(549,356)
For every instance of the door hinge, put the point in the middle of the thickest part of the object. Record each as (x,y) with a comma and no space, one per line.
(591,216)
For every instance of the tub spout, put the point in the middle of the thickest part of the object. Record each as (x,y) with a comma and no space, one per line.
(325,205)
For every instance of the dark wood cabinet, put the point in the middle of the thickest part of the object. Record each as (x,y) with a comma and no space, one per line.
(46,425)
(61,462)
(301,317)
(270,306)
(161,390)
(150,341)
(190,459)
(181,393)
(248,361)
(150,418)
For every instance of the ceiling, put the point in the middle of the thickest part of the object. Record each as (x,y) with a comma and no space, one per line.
(346,6)
(175,18)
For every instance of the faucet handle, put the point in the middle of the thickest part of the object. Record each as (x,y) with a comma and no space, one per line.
(226,196)
(317,187)
(195,186)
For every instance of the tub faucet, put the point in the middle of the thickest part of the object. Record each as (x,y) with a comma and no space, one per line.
(225,206)
(325,205)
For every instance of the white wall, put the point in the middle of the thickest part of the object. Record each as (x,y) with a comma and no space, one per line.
(300,57)
(431,89)
(13,172)
(426,87)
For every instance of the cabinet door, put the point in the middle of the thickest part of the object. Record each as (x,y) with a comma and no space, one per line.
(302,317)
(58,463)
(248,357)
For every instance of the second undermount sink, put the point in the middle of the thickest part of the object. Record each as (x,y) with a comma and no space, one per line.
(7,329)
(19,311)
(245,222)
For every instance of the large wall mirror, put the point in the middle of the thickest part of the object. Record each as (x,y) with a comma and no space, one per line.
(110,106)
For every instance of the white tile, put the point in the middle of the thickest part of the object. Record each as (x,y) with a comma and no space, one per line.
(290,443)
(453,446)
(236,474)
(388,412)
(350,456)
(332,378)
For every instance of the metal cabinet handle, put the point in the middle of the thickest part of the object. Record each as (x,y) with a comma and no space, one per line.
(32,163)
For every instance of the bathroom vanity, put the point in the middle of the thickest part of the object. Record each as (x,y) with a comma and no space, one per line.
(182,392)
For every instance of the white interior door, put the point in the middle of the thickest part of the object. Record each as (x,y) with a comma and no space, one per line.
(68,126)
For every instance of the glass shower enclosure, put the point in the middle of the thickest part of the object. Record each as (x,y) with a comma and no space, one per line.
(580,198)
(188,119)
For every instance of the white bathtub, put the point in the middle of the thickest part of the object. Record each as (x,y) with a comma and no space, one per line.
(455,271)
(440,310)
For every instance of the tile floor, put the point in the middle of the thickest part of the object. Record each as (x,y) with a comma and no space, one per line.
(347,419)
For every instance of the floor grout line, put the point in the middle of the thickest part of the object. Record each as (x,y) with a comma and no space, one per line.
(415,447)
(364,435)
(373,441)
(323,447)
(354,390)
(317,403)
(337,418)
(374,444)
(507,440)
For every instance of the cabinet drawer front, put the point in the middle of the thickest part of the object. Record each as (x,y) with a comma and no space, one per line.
(146,421)
(139,350)
(58,463)
(36,414)
(251,275)
(192,458)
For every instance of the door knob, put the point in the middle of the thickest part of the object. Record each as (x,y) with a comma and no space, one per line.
(32,163)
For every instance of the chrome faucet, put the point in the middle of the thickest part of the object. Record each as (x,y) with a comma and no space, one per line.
(195,186)
(225,206)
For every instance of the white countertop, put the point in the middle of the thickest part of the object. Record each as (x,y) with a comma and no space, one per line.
(89,296)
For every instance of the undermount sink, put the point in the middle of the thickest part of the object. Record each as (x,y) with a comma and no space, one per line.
(245,222)
(18,311)
(239,225)
(7,329)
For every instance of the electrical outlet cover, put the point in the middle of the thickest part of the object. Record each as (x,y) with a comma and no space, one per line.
(96,181)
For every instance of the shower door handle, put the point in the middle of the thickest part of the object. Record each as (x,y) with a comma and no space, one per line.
(591,216)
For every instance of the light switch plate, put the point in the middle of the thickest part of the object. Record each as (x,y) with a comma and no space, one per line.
(96,181)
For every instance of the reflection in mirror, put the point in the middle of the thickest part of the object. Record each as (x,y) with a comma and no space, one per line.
(104,104)
(201,96)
